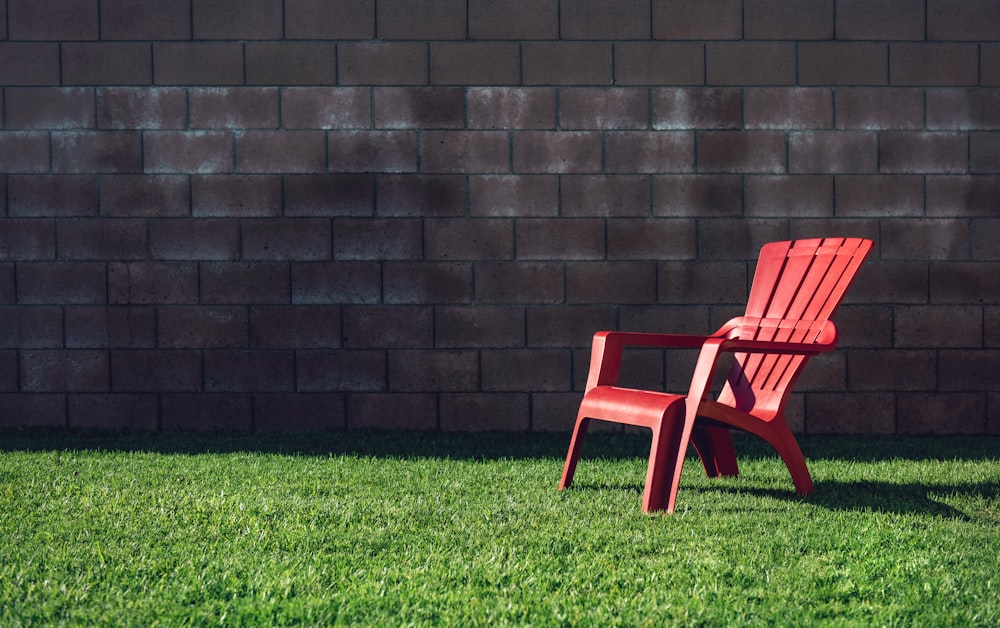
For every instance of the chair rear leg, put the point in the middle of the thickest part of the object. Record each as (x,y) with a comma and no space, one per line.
(715,448)
(575,447)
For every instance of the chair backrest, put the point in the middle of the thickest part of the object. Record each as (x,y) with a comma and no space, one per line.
(796,288)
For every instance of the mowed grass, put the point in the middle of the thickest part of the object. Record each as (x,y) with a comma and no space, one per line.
(397,529)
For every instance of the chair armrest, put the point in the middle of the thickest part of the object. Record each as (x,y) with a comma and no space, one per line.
(607,348)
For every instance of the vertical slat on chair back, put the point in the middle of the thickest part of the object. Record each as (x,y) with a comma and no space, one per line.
(800,281)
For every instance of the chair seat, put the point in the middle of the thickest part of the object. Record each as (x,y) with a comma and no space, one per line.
(644,408)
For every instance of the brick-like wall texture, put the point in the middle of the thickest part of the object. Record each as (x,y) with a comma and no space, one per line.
(316,214)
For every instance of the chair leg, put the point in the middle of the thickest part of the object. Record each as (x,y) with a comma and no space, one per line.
(715,447)
(575,447)
(663,454)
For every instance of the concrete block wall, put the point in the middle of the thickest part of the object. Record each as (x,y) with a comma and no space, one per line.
(315,214)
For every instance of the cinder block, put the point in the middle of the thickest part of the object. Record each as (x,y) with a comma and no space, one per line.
(38,108)
(24,152)
(519,282)
(864,326)
(33,410)
(194,239)
(692,19)
(235,196)
(107,63)
(750,63)
(964,21)
(262,152)
(850,413)
(795,196)
(964,282)
(8,372)
(879,195)
(942,413)
(991,331)
(372,151)
(903,152)
(31,327)
(788,108)
(649,151)
(604,195)
(516,20)
(319,19)
(566,63)
(426,282)
(872,108)
(961,370)
(826,372)
(146,283)
(237,19)
(563,152)
(293,412)
(706,282)
(526,370)
(511,108)
(388,327)
(102,239)
(671,319)
(843,63)
(933,64)
(63,370)
(555,412)
(286,239)
(110,327)
(141,108)
(295,327)
(434,371)
(336,283)
(341,370)
(29,63)
(925,239)
(963,109)
(513,195)
(788,19)
(419,107)
(480,326)
(880,21)
(377,239)
(129,20)
(382,63)
(610,282)
(24,239)
(291,63)
(479,152)
(989,69)
(51,283)
(198,63)
(603,109)
(568,326)
(326,108)
(659,63)
(233,108)
(985,239)
(984,153)
(741,152)
(604,19)
(236,370)
(469,239)
(839,152)
(476,412)
(952,196)
(683,109)
(200,412)
(195,152)
(475,63)
(938,326)
(53,20)
(698,195)
(200,327)
(114,411)
(421,19)
(145,195)
(396,411)
(110,152)
(560,239)
(329,195)
(245,283)
(902,282)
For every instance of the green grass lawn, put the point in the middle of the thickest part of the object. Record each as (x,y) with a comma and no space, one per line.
(398,529)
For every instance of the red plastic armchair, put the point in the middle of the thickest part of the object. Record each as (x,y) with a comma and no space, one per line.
(796,288)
